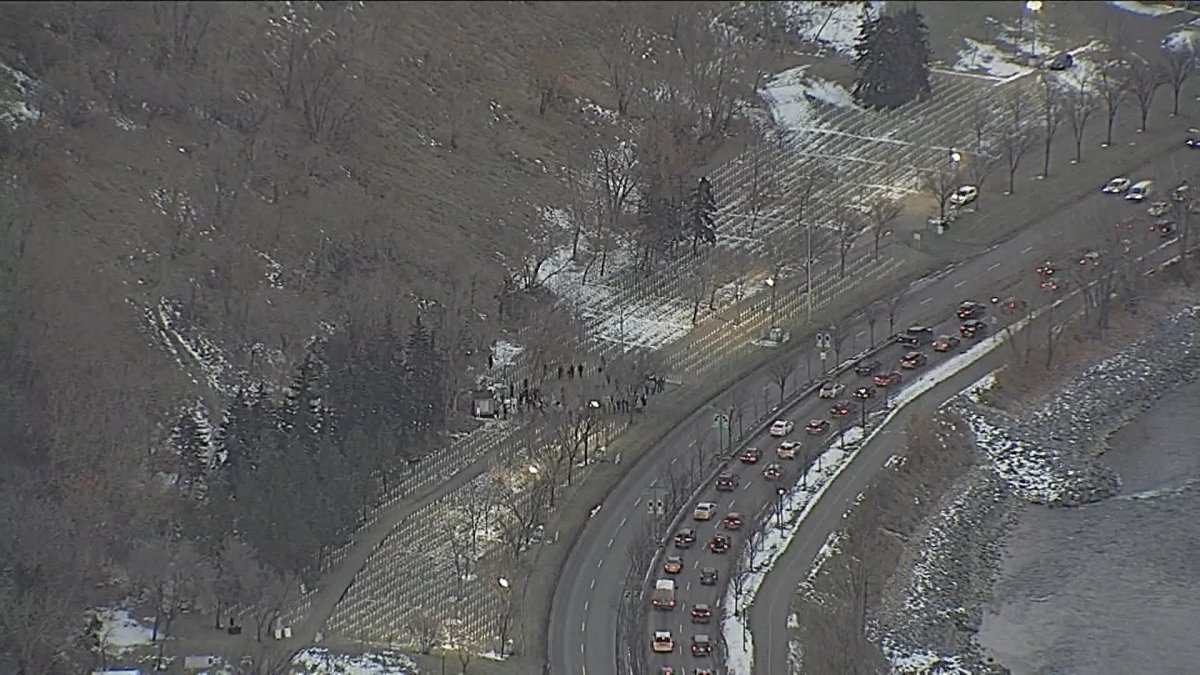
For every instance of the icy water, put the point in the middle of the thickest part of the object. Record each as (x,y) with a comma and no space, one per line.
(1113,587)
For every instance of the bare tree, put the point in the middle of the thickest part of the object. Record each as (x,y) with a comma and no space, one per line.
(1112,76)
(619,50)
(940,184)
(983,120)
(1016,140)
(1081,106)
(453,81)
(893,306)
(549,78)
(847,231)
(426,630)
(979,168)
(871,314)
(1179,65)
(782,370)
(881,211)
(1144,82)
(1051,118)
(180,29)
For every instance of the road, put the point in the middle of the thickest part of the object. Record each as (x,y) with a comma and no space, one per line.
(584,613)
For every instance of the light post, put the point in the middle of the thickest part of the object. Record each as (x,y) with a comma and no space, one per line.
(780,492)
(771,285)
(1034,6)
(505,588)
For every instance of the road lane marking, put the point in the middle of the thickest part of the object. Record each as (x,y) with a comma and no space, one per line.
(610,541)
(926,301)
(994,266)
(675,459)
(731,502)
(747,485)
(1027,249)
(593,586)
(584,629)
(599,563)
(639,501)
(624,519)
(585,609)
(860,334)
(961,284)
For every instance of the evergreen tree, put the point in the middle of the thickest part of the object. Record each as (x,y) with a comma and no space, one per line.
(918,54)
(424,370)
(701,215)
(193,455)
(892,59)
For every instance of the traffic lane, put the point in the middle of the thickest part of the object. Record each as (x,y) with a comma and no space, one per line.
(768,615)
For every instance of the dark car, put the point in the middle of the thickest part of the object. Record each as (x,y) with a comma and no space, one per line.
(865,368)
(817,427)
(701,645)
(733,521)
(727,482)
(945,343)
(972,328)
(918,331)
(719,544)
(888,379)
(750,456)
(910,341)
(840,409)
(685,538)
(1061,61)
(864,393)
(969,309)
(709,576)
(701,613)
(912,360)
(1046,269)
(772,472)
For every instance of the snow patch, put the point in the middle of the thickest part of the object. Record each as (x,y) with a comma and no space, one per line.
(120,631)
(321,661)
(1181,40)
(504,353)
(980,57)
(787,97)
(15,89)
(835,25)
(1144,8)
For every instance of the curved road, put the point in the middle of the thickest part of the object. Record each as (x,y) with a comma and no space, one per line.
(583,620)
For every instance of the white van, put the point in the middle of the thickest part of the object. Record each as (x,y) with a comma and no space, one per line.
(1140,190)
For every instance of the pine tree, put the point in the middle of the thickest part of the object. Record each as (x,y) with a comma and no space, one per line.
(424,369)
(193,460)
(892,59)
(701,215)
(918,54)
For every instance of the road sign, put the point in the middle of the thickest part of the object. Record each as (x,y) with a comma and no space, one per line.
(823,355)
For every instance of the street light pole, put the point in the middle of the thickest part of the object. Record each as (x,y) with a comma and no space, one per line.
(779,506)
(1034,6)
(808,301)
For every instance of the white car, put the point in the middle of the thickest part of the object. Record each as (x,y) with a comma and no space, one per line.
(1158,209)
(782,427)
(831,390)
(787,450)
(704,511)
(964,195)
(1140,190)
(663,644)
(1116,186)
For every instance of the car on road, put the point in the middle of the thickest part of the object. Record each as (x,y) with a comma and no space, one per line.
(701,613)
(662,644)
(704,511)
(719,544)
(817,427)
(1164,228)
(945,343)
(1140,190)
(831,390)
(773,472)
(1181,192)
(973,328)
(864,393)
(782,427)
(750,456)
(964,195)
(673,564)
(727,482)
(912,360)
(1091,258)
(709,576)
(918,330)
(1046,269)
(911,341)
(1116,186)
(667,670)
(701,645)
(866,367)
(733,521)
(1193,139)
(888,379)
(1159,209)
(702,671)
(840,409)
(787,450)
(1049,285)
(685,537)
(969,309)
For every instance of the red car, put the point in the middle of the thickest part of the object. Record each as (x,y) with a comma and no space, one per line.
(945,343)
(888,379)
(912,360)
(969,309)
(840,409)
(816,427)
(673,564)
(750,456)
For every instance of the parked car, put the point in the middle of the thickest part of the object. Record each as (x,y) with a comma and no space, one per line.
(704,511)
(945,343)
(787,450)
(1091,258)
(973,328)
(1159,209)
(840,409)
(685,537)
(750,456)
(782,427)
(1140,190)
(1116,186)
(701,613)
(719,544)
(1181,192)
(1048,285)
(831,390)
(727,482)
(1164,228)
(733,521)
(709,576)
(866,368)
(888,379)
(663,644)
(701,645)
(772,472)
(964,195)
(912,360)
(969,309)
(673,564)
(864,393)
(817,427)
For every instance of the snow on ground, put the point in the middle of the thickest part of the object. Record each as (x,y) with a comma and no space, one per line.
(795,99)
(829,465)
(198,355)
(832,24)
(1181,39)
(120,631)
(1144,8)
(989,59)
(320,661)
(504,353)
(15,89)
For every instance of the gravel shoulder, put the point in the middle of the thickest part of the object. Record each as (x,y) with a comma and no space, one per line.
(1043,454)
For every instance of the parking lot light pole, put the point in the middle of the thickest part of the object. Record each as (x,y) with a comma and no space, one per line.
(771,285)
(780,492)
(1034,6)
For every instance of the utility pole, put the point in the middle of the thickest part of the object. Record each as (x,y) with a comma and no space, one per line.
(808,261)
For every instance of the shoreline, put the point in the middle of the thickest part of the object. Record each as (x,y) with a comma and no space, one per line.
(940,592)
